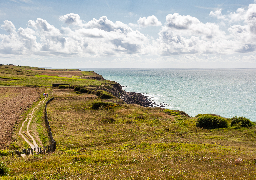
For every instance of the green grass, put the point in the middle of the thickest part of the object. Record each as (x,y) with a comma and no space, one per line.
(88,73)
(39,122)
(34,77)
(44,80)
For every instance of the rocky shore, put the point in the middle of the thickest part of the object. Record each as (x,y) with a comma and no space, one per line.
(130,97)
(136,98)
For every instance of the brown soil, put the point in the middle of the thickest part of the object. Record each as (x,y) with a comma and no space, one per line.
(13,102)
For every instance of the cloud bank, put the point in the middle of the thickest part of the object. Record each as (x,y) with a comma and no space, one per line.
(178,35)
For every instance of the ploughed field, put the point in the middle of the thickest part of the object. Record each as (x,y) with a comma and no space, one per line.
(14,102)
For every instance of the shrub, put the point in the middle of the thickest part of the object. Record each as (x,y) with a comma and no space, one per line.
(211,122)
(98,105)
(77,88)
(240,122)
(84,90)
(104,94)
(80,89)
(63,86)
(3,169)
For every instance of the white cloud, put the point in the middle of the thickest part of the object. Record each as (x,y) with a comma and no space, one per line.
(8,26)
(180,22)
(217,14)
(136,26)
(10,44)
(96,38)
(28,37)
(191,26)
(71,19)
(251,18)
(187,35)
(239,15)
(51,38)
(181,35)
(104,24)
(149,21)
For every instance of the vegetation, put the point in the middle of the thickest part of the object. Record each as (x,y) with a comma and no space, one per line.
(104,95)
(211,122)
(4,152)
(241,122)
(3,169)
(39,77)
(104,138)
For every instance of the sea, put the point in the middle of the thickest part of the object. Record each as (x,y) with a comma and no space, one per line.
(225,92)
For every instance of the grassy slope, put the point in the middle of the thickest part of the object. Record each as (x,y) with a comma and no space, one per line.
(28,76)
(132,142)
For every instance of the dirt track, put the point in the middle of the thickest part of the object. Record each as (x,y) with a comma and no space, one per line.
(29,118)
(13,102)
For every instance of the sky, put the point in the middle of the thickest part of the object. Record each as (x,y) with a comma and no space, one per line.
(128,33)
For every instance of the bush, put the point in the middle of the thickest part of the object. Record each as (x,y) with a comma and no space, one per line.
(211,122)
(84,90)
(3,169)
(80,89)
(77,88)
(241,122)
(98,105)
(104,94)
(63,86)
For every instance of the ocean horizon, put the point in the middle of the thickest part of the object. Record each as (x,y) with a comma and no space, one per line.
(225,92)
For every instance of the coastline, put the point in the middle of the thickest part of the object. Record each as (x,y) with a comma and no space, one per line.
(195,91)
(129,97)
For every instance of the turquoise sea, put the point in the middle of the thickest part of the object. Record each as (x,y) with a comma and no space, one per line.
(226,92)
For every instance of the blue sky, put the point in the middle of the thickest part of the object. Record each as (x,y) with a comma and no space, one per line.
(128,33)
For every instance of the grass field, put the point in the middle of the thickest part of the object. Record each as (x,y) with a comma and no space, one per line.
(108,139)
(38,77)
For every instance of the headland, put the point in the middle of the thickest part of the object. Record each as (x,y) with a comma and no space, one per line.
(104,132)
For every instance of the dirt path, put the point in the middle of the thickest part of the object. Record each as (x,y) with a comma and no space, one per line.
(29,118)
